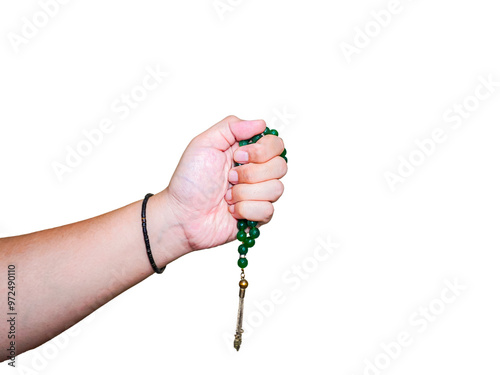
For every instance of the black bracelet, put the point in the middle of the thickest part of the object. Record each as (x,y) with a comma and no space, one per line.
(146,237)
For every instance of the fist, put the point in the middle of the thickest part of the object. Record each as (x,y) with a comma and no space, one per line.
(208,193)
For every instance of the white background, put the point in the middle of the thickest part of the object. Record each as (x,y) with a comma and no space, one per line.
(351,121)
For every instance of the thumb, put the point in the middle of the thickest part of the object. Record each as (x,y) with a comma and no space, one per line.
(227,132)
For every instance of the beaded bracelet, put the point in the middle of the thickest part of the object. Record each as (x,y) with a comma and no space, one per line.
(247,243)
(146,237)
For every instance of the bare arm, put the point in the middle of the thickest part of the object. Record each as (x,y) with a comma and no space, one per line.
(64,274)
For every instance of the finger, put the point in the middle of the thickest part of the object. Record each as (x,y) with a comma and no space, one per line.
(264,150)
(275,168)
(253,210)
(269,191)
(228,131)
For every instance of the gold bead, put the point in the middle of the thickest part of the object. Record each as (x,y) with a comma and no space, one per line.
(243,284)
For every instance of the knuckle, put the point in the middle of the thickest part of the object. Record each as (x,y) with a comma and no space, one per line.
(269,211)
(279,188)
(276,143)
(231,118)
(258,152)
(282,165)
(282,143)
(236,193)
(246,174)
(239,209)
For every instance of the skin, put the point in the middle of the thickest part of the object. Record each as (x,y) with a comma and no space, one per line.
(68,272)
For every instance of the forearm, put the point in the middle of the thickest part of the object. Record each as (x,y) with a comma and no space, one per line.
(65,273)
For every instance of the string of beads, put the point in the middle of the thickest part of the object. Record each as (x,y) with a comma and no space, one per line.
(248,241)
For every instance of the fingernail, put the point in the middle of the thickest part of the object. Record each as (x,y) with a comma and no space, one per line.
(233,177)
(231,209)
(229,195)
(240,156)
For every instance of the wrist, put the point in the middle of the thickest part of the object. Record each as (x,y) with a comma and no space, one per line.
(166,233)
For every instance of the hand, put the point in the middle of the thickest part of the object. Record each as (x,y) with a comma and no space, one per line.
(207,194)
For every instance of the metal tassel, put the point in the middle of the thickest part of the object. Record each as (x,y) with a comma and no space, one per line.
(239,321)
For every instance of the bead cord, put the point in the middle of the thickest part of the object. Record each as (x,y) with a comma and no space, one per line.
(146,237)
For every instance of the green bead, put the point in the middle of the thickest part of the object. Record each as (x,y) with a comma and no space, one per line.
(242,224)
(274,132)
(267,131)
(237,164)
(249,242)
(256,138)
(242,249)
(286,159)
(242,262)
(243,143)
(252,224)
(283,154)
(241,236)
(254,233)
